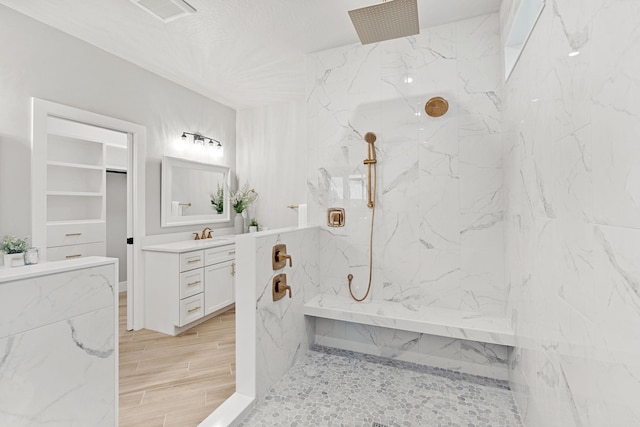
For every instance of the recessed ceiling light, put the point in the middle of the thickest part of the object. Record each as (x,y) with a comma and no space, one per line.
(574,53)
(166,10)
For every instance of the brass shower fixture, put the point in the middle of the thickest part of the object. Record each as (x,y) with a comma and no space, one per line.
(370,138)
(436,107)
(371,163)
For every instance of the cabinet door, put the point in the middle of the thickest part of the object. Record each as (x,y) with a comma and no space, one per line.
(218,286)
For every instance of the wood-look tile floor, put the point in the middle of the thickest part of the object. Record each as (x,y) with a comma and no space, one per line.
(175,381)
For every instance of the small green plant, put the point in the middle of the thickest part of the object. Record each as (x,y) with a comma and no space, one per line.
(254,222)
(217,200)
(14,245)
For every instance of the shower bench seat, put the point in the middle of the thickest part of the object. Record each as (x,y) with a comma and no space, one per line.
(466,325)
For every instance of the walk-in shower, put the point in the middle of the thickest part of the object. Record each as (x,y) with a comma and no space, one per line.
(371,163)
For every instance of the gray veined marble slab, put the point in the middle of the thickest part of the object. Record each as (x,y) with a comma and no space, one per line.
(58,344)
(445,322)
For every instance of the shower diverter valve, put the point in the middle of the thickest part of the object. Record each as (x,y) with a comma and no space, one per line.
(335,217)
(280,287)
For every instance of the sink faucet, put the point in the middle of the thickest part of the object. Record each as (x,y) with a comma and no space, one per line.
(206,235)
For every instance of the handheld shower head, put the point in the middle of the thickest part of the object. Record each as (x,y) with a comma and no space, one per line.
(370,137)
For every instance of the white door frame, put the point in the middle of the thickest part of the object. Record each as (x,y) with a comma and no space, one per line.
(136,228)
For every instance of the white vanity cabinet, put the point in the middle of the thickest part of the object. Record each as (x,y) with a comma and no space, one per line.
(187,283)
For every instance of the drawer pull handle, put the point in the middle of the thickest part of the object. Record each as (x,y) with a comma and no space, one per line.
(194,283)
(193,309)
(73,234)
(73,256)
(233,269)
(232,252)
(191,261)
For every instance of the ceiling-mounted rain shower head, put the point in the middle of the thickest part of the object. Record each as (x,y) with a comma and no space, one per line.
(386,21)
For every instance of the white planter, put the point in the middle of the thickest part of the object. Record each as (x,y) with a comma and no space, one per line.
(253,229)
(238,223)
(13,260)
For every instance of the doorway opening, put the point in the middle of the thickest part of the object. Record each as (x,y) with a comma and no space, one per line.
(68,145)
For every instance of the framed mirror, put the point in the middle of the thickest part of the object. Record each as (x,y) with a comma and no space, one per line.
(188,188)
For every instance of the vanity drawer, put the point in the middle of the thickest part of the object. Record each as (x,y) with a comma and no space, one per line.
(219,254)
(191,309)
(75,234)
(191,283)
(191,260)
(76,251)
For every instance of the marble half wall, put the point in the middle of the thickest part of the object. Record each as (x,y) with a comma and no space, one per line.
(282,333)
(58,346)
(438,238)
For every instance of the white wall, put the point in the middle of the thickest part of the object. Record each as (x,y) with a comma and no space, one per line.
(39,61)
(272,158)
(572,219)
(117,221)
(438,237)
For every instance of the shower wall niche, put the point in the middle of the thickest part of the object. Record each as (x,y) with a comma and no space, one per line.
(438,238)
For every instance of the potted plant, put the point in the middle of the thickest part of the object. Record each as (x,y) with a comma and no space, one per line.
(217,200)
(13,249)
(253,227)
(241,200)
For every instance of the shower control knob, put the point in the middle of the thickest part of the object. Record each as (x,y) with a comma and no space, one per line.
(283,288)
(283,257)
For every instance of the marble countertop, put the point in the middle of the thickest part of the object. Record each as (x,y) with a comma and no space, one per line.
(45,268)
(191,245)
(467,325)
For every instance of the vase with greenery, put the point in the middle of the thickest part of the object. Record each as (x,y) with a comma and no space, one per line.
(241,200)
(217,200)
(253,226)
(13,249)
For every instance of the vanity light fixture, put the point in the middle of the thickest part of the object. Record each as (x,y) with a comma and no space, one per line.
(202,139)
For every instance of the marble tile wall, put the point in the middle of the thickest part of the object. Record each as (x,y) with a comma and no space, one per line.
(283,334)
(58,352)
(572,214)
(438,238)
(271,157)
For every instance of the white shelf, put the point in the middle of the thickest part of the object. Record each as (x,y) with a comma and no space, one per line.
(74,165)
(75,151)
(69,186)
(74,193)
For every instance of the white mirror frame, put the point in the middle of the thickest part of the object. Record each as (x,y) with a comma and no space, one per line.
(168,220)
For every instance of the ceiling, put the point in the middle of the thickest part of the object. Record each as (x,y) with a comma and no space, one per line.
(242,53)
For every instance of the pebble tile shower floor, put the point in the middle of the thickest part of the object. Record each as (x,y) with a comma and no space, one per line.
(330,387)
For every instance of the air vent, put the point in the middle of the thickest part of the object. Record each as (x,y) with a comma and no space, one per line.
(166,10)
